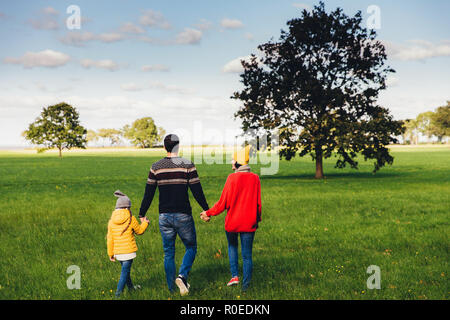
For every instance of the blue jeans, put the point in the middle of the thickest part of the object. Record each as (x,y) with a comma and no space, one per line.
(171,224)
(125,276)
(246,250)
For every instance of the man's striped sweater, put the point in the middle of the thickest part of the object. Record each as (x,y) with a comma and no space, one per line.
(173,176)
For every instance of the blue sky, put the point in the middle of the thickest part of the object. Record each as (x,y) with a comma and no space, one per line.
(176,61)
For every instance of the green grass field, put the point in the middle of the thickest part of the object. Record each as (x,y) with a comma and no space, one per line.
(315,241)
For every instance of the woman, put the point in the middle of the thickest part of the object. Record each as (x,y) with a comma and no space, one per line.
(241,196)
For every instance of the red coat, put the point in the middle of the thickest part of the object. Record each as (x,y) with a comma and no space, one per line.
(241,196)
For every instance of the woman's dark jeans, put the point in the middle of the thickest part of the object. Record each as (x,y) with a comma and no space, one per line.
(246,250)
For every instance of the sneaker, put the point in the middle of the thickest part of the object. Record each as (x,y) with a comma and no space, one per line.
(136,287)
(233,281)
(183,285)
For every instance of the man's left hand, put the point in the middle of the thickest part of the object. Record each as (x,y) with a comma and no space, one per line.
(204,217)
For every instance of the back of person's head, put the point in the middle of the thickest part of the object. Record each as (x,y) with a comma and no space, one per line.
(171,143)
(242,157)
(123,202)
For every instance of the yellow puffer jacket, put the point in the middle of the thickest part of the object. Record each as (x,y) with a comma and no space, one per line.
(118,242)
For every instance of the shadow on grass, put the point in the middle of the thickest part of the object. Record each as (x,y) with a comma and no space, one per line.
(338,175)
(213,272)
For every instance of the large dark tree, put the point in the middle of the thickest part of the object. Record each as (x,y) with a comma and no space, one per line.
(59,127)
(318,86)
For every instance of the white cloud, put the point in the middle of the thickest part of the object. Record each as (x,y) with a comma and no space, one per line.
(156,85)
(204,25)
(151,18)
(392,81)
(79,39)
(150,40)
(249,36)
(44,88)
(129,27)
(131,87)
(110,37)
(231,23)
(235,66)
(46,58)
(126,31)
(410,104)
(44,24)
(47,19)
(155,67)
(417,50)
(50,11)
(302,6)
(189,36)
(101,64)
(170,88)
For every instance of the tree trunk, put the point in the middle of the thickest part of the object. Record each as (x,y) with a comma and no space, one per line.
(319,165)
(60,152)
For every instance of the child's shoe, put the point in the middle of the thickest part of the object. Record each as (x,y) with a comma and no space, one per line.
(233,281)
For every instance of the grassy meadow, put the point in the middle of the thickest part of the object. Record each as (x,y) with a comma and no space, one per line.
(315,241)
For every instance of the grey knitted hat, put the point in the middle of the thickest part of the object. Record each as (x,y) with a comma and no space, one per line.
(123,201)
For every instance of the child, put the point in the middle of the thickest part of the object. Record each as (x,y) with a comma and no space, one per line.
(120,239)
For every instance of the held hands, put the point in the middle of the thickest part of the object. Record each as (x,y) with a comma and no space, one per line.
(112,259)
(204,217)
(144,219)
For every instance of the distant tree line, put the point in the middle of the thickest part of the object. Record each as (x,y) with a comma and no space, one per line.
(58,127)
(430,124)
(142,133)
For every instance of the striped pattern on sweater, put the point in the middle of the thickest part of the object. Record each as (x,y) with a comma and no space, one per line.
(173,171)
(173,176)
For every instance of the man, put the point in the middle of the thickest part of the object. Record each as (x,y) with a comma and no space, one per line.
(241,196)
(173,175)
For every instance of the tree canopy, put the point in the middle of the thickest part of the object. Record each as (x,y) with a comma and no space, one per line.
(58,127)
(440,122)
(143,132)
(113,135)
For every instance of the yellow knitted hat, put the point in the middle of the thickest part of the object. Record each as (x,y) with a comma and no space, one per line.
(242,156)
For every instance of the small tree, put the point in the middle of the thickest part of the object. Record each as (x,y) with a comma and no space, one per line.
(58,127)
(318,86)
(424,123)
(113,135)
(143,133)
(91,136)
(410,130)
(440,122)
